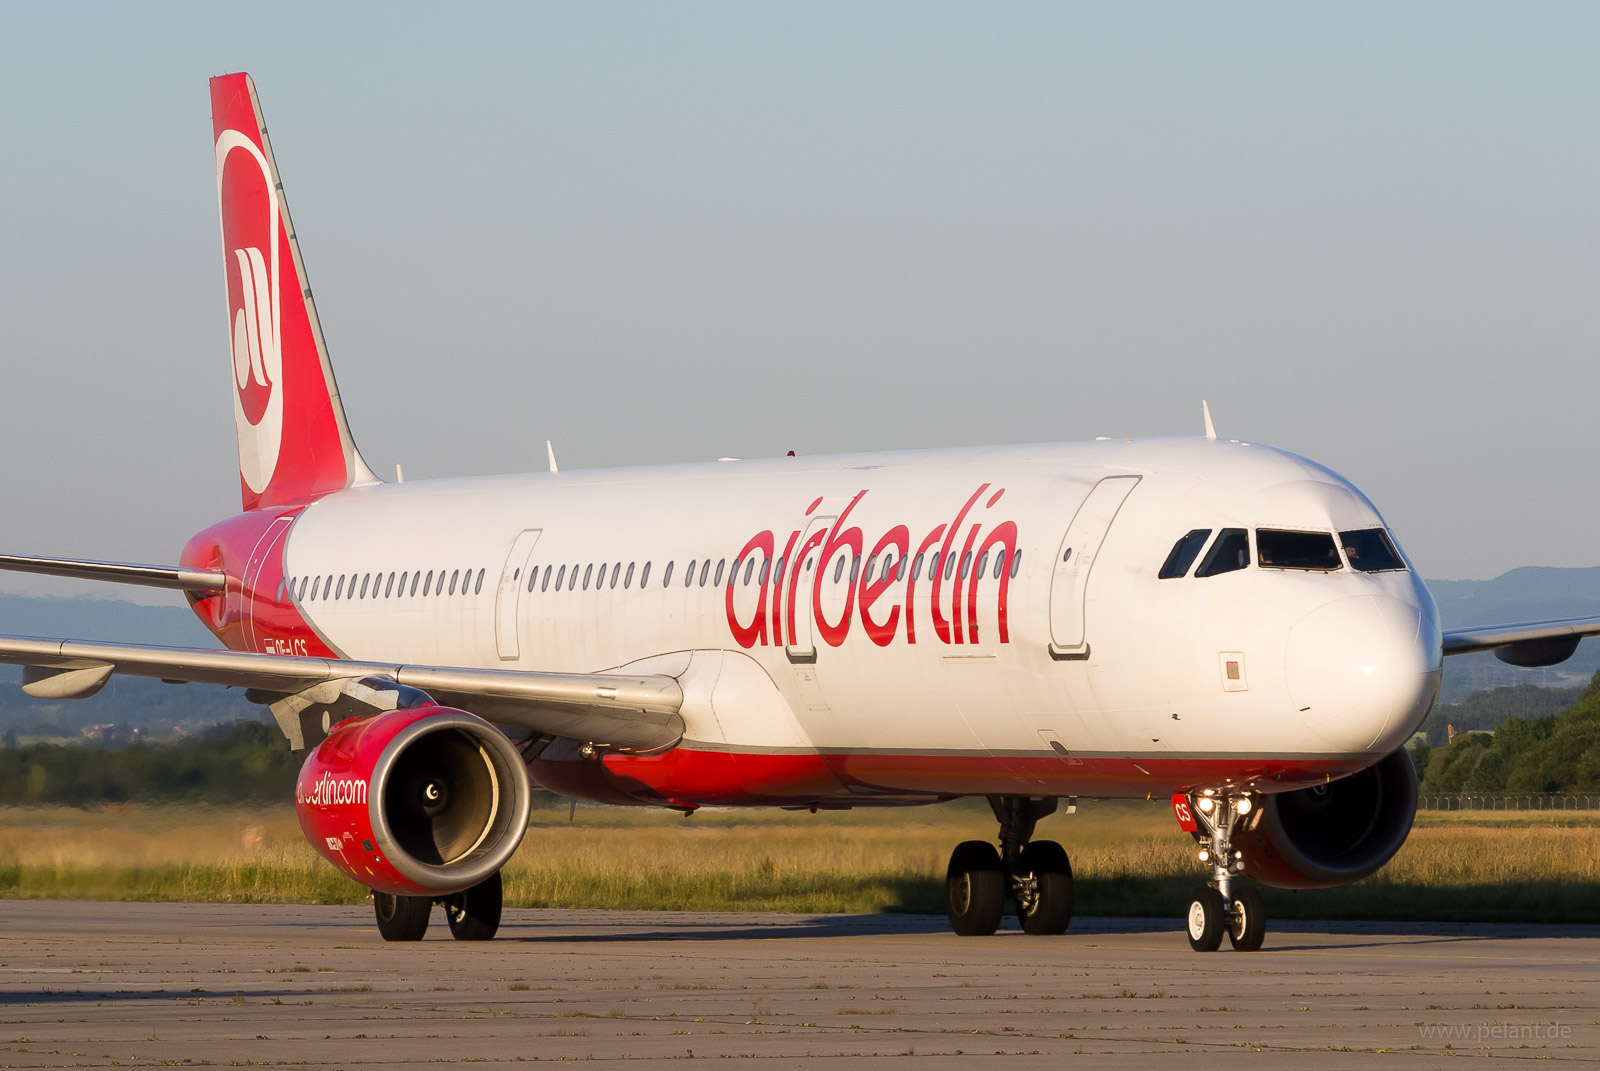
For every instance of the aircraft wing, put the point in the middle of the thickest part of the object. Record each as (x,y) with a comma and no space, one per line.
(1536,643)
(637,712)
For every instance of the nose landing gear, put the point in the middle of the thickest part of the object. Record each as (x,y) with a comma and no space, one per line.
(1217,908)
(1034,875)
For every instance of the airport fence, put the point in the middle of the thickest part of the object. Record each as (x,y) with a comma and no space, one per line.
(1509,802)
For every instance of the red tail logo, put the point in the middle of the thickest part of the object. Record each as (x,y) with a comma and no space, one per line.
(293,440)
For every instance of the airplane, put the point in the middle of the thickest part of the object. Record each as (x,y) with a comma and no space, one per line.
(1209,621)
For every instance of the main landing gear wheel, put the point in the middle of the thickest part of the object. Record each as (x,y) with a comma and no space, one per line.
(1044,889)
(474,914)
(401,918)
(1207,918)
(1247,922)
(1035,876)
(975,888)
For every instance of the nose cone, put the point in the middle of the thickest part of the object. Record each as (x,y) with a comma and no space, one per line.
(1363,671)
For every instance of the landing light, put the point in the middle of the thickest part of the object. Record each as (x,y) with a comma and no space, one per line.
(1205,856)
(1207,805)
(1242,805)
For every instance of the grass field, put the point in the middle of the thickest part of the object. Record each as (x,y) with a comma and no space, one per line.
(1129,859)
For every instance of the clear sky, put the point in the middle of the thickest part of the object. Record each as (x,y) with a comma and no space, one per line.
(1368,233)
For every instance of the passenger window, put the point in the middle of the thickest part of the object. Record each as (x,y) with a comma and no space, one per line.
(777,572)
(1183,554)
(560,576)
(1230,552)
(749,569)
(572,580)
(900,569)
(388,589)
(733,574)
(949,566)
(644,575)
(599,581)
(315,584)
(533,578)
(838,569)
(1277,549)
(588,572)
(933,565)
(872,563)
(916,569)
(544,581)
(427,585)
(403,578)
(283,585)
(339,591)
(764,564)
(414,578)
(627,581)
(1371,550)
(716,581)
(454,577)
(477,589)
(688,575)
(966,564)
(666,576)
(616,573)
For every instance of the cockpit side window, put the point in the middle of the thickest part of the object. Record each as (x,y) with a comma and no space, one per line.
(1184,552)
(1231,551)
(1371,550)
(1277,549)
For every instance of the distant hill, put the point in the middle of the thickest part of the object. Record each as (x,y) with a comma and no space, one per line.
(1534,593)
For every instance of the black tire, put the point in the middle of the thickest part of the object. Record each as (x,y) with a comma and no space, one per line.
(1051,913)
(474,915)
(401,918)
(1206,919)
(1247,924)
(975,889)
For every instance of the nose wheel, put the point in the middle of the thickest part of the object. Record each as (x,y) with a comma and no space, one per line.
(1219,908)
(1035,876)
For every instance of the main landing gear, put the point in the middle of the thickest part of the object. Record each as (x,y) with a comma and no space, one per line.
(474,914)
(1034,875)
(1218,907)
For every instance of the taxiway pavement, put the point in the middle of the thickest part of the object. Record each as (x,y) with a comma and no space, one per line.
(94,985)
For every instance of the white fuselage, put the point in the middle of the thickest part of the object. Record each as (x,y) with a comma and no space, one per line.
(1047,655)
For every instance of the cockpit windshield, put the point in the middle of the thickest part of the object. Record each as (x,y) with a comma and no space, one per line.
(1279,549)
(1231,551)
(1184,552)
(1371,550)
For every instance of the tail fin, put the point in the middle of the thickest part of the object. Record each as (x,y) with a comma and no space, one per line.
(294,442)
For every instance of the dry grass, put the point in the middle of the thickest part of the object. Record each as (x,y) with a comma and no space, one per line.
(1129,859)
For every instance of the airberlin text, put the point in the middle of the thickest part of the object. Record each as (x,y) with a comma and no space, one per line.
(951,571)
(331,791)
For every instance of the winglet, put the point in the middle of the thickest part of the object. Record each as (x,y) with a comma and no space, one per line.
(1205,410)
(550,452)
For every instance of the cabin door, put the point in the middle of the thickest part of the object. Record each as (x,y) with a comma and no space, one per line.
(1069,586)
(508,599)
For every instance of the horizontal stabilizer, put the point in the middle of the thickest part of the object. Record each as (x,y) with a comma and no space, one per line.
(148,576)
(1535,643)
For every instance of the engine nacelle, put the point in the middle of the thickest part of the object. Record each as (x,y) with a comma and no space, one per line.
(415,802)
(1333,834)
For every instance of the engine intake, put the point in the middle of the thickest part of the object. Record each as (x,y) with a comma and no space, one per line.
(1333,834)
(421,801)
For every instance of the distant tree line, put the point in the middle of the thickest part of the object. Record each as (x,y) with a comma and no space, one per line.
(1556,753)
(232,763)
(236,762)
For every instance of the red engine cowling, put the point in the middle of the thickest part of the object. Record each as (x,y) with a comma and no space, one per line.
(415,802)
(1333,834)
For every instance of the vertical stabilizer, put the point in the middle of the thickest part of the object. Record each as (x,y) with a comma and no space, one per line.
(294,441)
